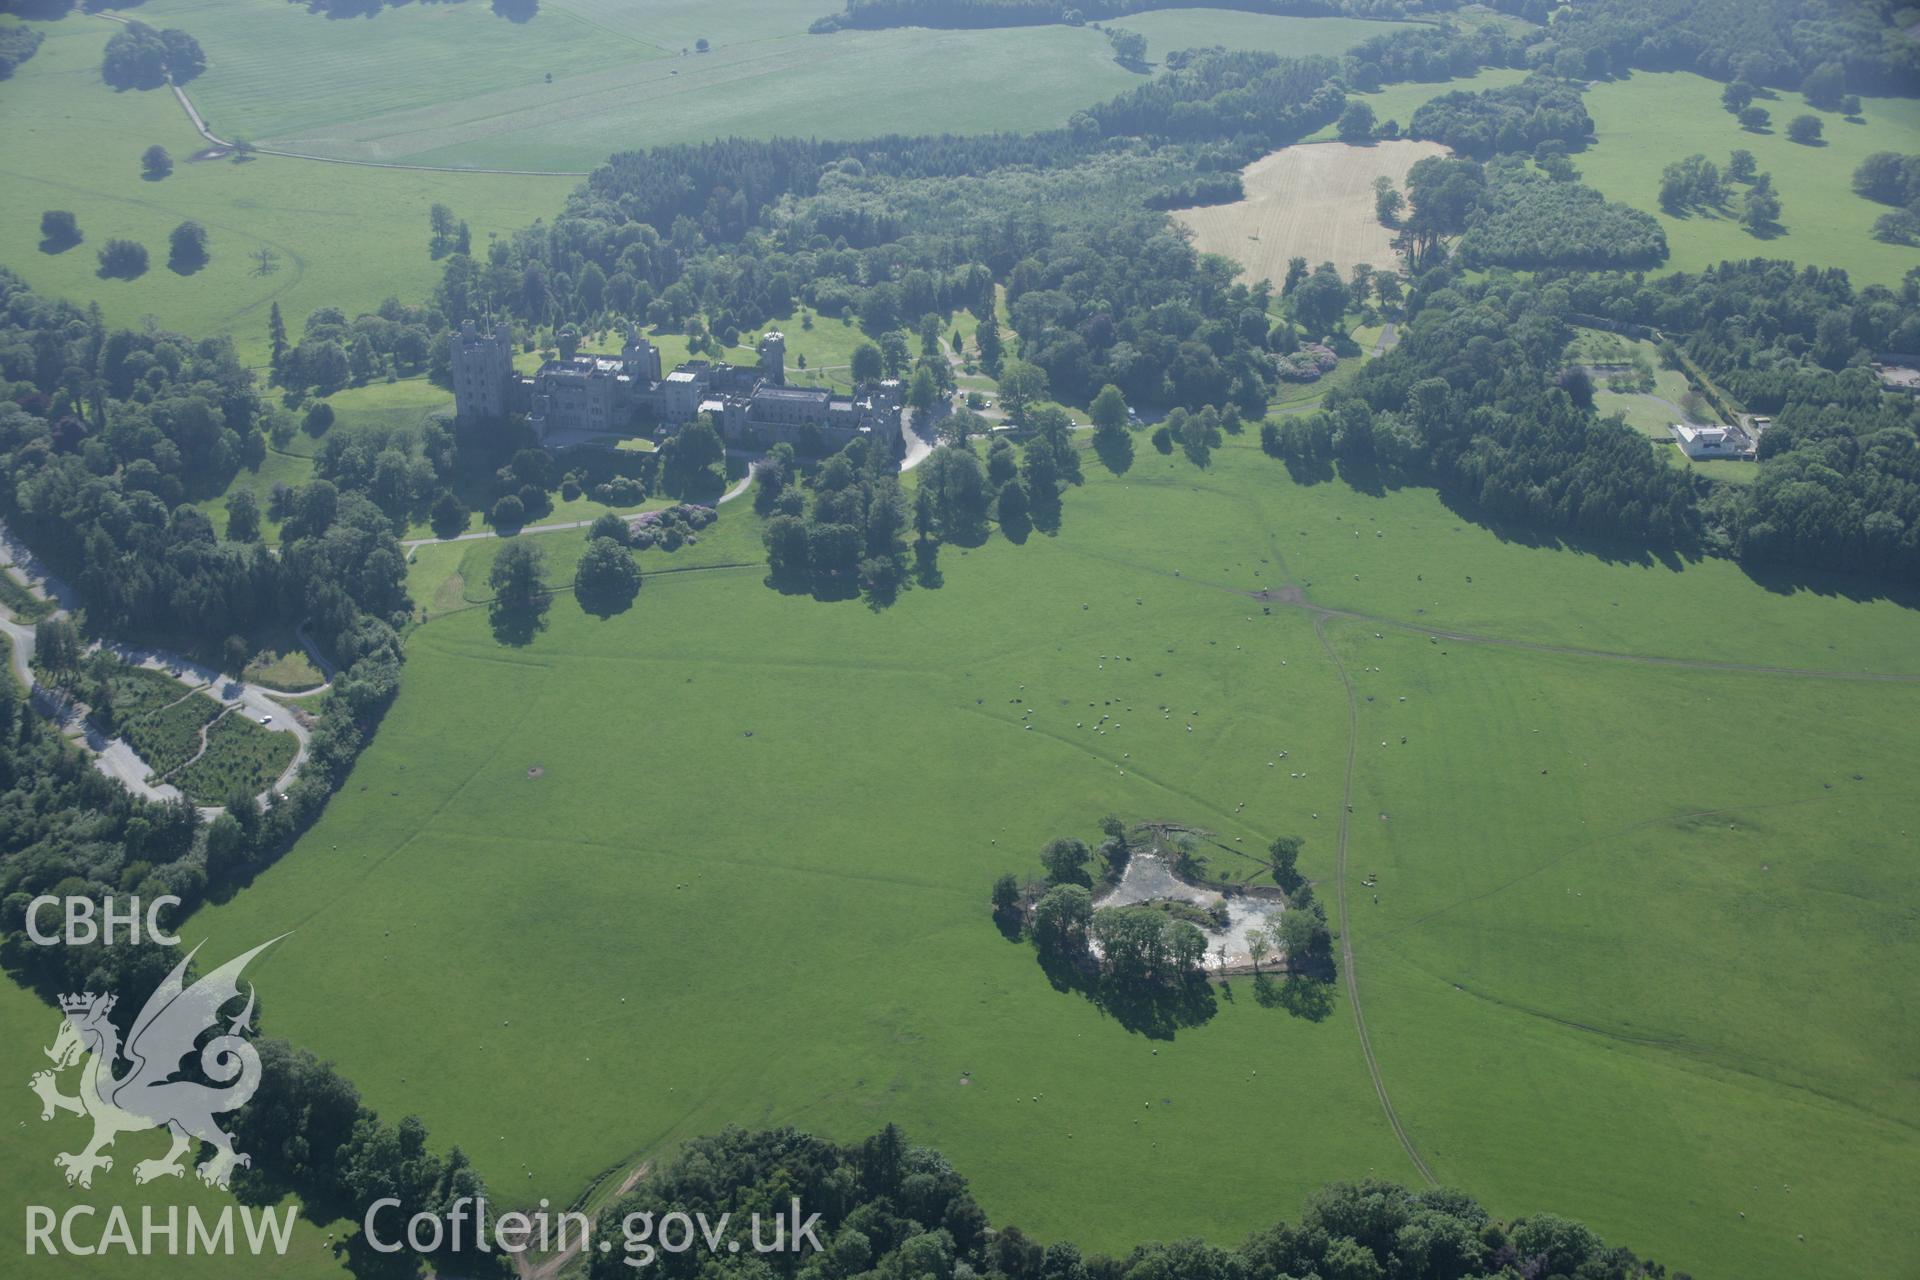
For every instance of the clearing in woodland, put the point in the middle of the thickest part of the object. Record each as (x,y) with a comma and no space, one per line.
(1313,202)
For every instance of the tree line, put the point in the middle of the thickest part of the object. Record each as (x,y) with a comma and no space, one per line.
(1822,47)
(892,1209)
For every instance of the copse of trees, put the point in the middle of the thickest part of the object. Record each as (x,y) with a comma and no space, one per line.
(1890,178)
(1517,117)
(139,57)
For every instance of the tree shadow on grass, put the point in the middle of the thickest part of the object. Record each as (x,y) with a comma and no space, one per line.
(926,564)
(605,604)
(1155,1010)
(1300,995)
(517,626)
(1115,451)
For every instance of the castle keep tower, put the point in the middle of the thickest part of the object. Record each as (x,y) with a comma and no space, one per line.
(773,357)
(640,358)
(482,372)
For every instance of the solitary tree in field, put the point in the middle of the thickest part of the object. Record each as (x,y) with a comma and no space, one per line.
(155,163)
(1755,119)
(187,248)
(123,260)
(516,575)
(1741,166)
(1805,130)
(607,579)
(58,230)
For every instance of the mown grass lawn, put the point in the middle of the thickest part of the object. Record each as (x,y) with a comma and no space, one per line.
(748,882)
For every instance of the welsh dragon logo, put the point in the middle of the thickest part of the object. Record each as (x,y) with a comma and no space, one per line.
(146,1094)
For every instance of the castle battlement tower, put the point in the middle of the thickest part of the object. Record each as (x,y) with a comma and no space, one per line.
(773,357)
(640,358)
(482,372)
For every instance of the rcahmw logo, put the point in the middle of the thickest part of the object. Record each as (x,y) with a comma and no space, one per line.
(140,1085)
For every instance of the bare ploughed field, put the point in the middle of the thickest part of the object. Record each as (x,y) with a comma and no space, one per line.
(1314,202)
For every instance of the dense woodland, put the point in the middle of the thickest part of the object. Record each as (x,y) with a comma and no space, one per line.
(894,1210)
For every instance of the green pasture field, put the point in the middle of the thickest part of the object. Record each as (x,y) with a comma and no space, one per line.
(1668,910)
(748,882)
(455,85)
(1648,120)
(344,236)
(239,753)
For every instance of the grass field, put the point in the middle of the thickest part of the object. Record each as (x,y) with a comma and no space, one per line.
(1314,202)
(343,236)
(795,920)
(453,85)
(1651,119)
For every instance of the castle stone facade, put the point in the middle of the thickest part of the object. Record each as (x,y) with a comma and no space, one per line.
(575,399)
